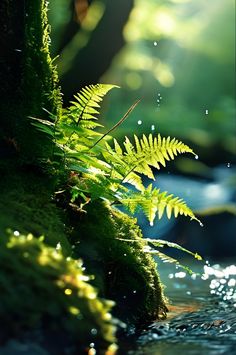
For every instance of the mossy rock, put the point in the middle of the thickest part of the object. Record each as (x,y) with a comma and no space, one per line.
(124,272)
(26,205)
(44,292)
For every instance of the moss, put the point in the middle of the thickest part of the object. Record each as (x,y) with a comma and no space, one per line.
(26,205)
(31,79)
(44,291)
(127,274)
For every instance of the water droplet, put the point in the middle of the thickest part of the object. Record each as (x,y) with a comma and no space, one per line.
(155,43)
(228,165)
(134,291)
(188,293)
(94,331)
(58,246)
(206,112)
(18,50)
(201,224)
(68,291)
(16,233)
(151,224)
(139,122)
(109,273)
(125,254)
(196,157)
(91,345)
(159,94)
(152,127)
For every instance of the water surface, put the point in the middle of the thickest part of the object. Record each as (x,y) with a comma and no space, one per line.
(202,317)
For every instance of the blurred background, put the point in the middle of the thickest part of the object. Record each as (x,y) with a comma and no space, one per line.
(178,57)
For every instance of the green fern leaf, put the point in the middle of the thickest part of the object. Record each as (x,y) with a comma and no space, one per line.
(153,202)
(164,243)
(147,152)
(87,102)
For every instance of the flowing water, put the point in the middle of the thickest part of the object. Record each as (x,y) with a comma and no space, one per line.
(202,317)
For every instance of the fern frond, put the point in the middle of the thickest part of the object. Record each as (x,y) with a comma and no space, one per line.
(150,248)
(167,259)
(153,202)
(165,243)
(147,152)
(87,102)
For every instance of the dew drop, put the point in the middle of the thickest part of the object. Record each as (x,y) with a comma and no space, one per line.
(16,233)
(228,165)
(206,112)
(139,122)
(152,127)
(91,345)
(125,254)
(196,157)
(155,43)
(58,246)
(134,291)
(94,331)
(201,224)
(18,50)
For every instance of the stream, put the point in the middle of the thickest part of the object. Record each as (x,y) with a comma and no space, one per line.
(202,314)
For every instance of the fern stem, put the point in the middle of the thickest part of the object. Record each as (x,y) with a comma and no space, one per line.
(118,123)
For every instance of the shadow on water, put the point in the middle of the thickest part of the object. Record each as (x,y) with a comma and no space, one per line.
(202,317)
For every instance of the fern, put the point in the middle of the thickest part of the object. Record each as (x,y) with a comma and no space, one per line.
(99,170)
(87,102)
(152,244)
(102,169)
(147,152)
(153,202)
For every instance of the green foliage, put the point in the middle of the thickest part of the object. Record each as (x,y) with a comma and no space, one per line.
(152,244)
(100,171)
(50,293)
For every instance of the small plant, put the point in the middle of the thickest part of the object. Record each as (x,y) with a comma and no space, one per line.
(101,170)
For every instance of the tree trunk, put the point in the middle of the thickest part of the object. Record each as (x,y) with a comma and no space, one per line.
(95,58)
(28,78)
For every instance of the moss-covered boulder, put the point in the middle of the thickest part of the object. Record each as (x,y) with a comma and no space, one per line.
(26,205)
(46,298)
(124,272)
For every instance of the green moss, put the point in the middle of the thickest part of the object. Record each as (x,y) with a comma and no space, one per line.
(42,290)
(127,274)
(26,205)
(31,79)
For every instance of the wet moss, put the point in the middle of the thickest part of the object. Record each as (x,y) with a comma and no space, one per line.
(124,272)
(43,291)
